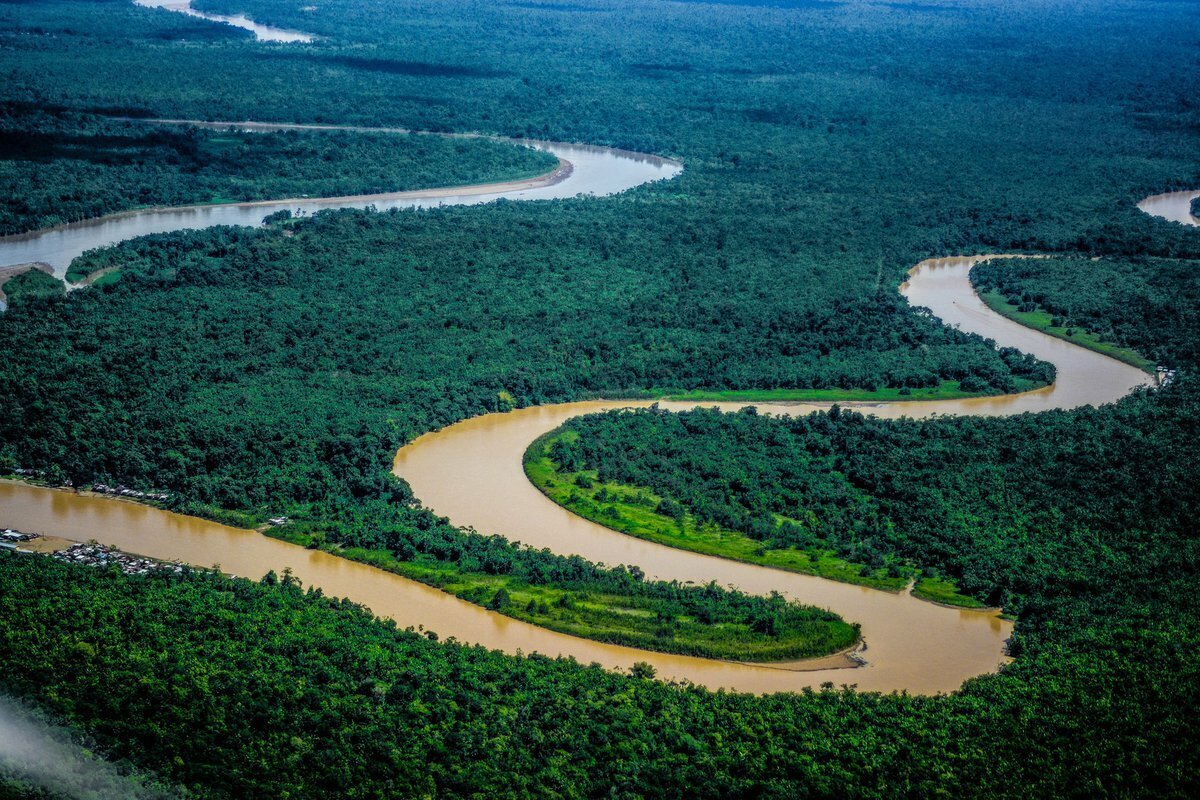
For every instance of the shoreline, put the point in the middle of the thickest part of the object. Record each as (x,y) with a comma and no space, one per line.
(1123,354)
(561,172)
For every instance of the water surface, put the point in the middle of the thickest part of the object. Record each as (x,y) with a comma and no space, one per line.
(264,33)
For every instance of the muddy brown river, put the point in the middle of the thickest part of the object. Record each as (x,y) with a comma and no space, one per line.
(472,473)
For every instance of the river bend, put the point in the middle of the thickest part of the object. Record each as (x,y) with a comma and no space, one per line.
(472,473)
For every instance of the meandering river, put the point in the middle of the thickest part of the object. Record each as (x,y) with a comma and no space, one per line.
(471,472)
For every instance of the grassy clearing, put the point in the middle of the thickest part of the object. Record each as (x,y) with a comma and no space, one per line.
(660,624)
(1041,320)
(940,590)
(632,510)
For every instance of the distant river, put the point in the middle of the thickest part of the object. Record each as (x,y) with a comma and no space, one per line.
(582,170)
(471,472)
(264,33)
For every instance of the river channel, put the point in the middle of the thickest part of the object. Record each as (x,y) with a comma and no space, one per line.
(471,472)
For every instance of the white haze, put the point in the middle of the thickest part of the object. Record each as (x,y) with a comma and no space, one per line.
(44,755)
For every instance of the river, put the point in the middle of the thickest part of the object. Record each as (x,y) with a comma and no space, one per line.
(471,472)
(582,170)
(263,33)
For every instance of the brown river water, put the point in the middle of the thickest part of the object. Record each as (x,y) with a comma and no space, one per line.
(471,472)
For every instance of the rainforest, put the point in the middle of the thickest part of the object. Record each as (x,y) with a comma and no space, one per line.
(632,332)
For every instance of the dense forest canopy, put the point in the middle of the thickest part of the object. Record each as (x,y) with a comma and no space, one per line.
(202,678)
(1005,507)
(1011,508)
(232,365)
(828,147)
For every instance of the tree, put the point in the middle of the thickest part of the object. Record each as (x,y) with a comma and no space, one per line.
(500,600)
(641,669)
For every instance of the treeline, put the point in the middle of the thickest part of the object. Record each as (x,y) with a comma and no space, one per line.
(59,166)
(253,371)
(1148,304)
(1015,510)
(773,117)
(216,368)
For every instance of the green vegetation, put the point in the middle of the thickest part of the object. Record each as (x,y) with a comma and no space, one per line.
(943,591)
(1196,207)
(993,505)
(1042,320)
(829,147)
(59,166)
(31,283)
(1122,307)
(618,607)
(330,702)
(1001,294)
(367,330)
(640,512)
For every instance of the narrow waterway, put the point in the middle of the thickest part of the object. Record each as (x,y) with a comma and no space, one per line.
(471,472)
(173,537)
(263,33)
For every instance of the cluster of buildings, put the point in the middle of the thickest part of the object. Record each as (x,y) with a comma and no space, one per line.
(10,538)
(27,473)
(14,535)
(98,555)
(124,491)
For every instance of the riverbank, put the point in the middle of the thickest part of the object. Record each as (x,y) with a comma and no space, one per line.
(946,390)
(1043,321)
(578,169)
(634,511)
(686,621)
(655,618)
(901,630)
(162,535)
